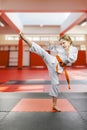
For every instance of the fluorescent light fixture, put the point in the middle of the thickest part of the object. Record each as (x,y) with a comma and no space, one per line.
(84,23)
(1,24)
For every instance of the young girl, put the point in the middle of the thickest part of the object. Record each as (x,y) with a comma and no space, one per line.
(66,53)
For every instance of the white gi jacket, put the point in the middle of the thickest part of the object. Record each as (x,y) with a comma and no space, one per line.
(51,63)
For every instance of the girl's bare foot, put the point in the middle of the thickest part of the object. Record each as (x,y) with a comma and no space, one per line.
(56,108)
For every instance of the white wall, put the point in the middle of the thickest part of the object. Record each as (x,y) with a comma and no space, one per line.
(26,57)
(41,30)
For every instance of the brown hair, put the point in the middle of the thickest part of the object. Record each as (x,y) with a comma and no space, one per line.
(67,38)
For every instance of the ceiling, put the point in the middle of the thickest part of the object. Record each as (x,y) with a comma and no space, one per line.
(39,17)
(42,19)
(40,23)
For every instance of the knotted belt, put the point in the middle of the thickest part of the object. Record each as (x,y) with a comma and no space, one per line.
(64,66)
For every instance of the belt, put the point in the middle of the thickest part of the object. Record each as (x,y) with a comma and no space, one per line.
(64,66)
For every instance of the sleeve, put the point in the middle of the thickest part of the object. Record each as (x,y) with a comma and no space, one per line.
(72,56)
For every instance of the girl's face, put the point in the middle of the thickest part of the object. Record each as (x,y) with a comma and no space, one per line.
(65,44)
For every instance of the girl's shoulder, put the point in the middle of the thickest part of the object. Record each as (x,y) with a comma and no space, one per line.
(73,48)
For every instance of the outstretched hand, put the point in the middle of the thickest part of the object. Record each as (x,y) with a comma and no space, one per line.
(25,39)
(21,35)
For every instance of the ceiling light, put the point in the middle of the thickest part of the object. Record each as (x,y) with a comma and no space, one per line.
(1,24)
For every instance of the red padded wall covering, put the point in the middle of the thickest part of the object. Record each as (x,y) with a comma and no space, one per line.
(81,60)
(4,58)
(36,60)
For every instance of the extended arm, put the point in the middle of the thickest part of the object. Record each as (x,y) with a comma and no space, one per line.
(29,43)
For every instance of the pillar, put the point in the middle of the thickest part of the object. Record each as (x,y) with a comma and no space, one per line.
(20,54)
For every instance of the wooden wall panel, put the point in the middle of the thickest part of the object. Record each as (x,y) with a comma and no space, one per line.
(4,58)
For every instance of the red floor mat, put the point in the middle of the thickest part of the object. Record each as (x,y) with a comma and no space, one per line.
(24,88)
(41,88)
(24,74)
(42,105)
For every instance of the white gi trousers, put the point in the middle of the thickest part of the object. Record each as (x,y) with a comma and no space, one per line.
(51,63)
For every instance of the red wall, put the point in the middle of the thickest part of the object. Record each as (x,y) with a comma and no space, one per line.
(4,58)
(36,60)
(81,60)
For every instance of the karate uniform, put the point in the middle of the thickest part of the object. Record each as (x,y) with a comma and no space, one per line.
(51,63)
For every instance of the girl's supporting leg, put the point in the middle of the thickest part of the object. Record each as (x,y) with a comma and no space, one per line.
(55,107)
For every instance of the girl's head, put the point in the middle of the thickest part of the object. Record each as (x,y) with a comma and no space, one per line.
(65,41)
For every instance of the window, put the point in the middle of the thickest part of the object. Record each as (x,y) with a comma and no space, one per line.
(33,38)
(36,38)
(54,38)
(82,47)
(78,37)
(11,37)
(44,38)
(30,38)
